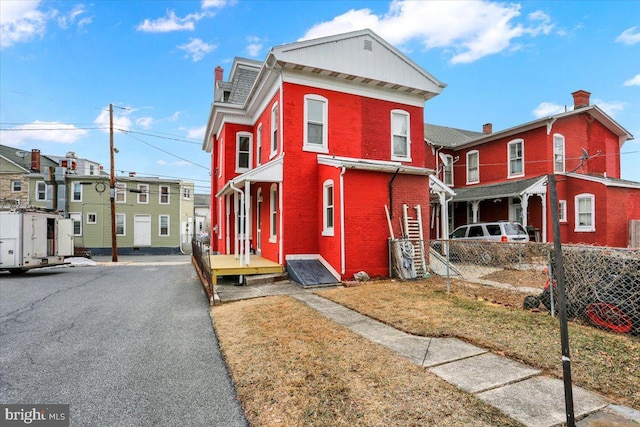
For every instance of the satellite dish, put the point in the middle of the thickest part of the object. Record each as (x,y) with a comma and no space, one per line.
(585,154)
(445,159)
(22,154)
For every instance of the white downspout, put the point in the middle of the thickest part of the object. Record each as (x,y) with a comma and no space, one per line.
(343,258)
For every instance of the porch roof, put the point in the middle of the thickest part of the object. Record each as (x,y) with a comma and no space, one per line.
(268,172)
(518,188)
(372,165)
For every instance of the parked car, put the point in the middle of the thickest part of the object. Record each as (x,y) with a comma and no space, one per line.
(499,231)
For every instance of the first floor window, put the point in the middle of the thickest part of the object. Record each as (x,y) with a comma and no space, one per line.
(164,225)
(328,209)
(77,223)
(16,186)
(585,212)
(562,210)
(121,227)
(41,191)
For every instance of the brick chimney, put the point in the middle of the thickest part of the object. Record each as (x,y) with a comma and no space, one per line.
(35,160)
(218,73)
(487,128)
(580,99)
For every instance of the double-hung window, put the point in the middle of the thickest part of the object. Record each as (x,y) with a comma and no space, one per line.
(163,221)
(259,145)
(562,210)
(77,223)
(273,212)
(558,153)
(16,186)
(447,170)
(41,191)
(327,208)
(164,195)
(585,213)
(121,225)
(315,123)
(274,129)
(400,137)
(515,153)
(77,192)
(143,193)
(243,152)
(121,192)
(473,167)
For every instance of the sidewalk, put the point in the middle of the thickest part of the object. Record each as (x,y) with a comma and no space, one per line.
(516,389)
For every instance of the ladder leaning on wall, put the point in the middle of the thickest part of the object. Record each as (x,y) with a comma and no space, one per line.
(413,232)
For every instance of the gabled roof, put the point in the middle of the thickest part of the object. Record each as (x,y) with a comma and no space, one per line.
(458,139)
(241,79)
(448,137)
(24,159)
(201,199)
(500,190)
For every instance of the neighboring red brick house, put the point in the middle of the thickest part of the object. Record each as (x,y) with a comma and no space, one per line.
(308,147)
(503,175)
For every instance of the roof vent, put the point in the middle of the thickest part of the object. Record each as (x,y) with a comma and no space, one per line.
(368,45)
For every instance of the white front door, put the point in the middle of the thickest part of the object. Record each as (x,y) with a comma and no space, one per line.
(142,230)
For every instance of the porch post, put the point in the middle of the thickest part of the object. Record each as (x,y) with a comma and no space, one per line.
(474,209)
(247,223)
(543,197)
(525,207)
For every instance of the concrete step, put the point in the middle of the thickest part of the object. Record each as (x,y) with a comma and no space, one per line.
(262,279)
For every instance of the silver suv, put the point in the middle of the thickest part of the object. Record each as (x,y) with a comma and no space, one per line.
(501,231)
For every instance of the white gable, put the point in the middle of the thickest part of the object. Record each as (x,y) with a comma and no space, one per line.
(360,55)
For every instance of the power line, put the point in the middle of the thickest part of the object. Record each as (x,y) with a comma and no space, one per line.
(165,151)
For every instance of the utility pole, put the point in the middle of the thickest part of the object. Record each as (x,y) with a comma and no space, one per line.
(112,192)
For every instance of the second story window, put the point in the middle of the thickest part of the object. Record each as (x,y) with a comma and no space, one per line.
(16,186)
(447,170)
(473,167)
(41,191)
(274,129)
(400,138)
(121,192)
(558,153)
(516,158)
(315,123)
(77,192)
(143,193)
(186,193)
(164,195)
(243,152)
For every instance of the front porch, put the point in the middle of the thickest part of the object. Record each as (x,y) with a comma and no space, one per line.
(230,265)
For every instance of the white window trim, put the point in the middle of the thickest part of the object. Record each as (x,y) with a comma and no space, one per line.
(73,191)
(273,212)
(168,202)
(563,153)
(250,159)
(220,162)
(38,183)
(469,154)
(259,145)
(444,170)
(13,183)
(326,230)
(95,215)
(592,227)
(515,142)
(124,224)
(406,158)
(186,193)
(275,126)
(145,192)
(315,148)
(562,210)
(160,225)
(76,217)
(121,188)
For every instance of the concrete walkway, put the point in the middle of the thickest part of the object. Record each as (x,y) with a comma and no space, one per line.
(518,390)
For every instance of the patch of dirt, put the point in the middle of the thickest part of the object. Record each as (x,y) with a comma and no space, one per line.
(519,278)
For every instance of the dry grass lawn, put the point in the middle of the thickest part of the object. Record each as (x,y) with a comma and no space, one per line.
(603,362)
(292,366)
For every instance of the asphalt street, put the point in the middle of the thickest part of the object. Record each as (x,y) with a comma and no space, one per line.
(123,345)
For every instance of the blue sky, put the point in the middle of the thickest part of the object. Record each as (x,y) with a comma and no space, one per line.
(63,63)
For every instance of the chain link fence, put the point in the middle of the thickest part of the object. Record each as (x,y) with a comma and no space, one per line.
(602,284)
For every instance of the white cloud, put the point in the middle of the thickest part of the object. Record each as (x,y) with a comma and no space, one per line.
(176,163)
(254,47)
(629,36)
(548,109)
(66,21)
(20,21)
(197,133)
(635,81)
(171,22)
(610,107)
(469,30)
(144,122)
(121,121)
(197,49)
(218,4)
(56,132)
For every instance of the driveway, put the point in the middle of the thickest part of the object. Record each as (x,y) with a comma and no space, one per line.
(123,345)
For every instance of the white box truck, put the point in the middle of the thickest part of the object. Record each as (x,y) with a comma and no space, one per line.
(31,238)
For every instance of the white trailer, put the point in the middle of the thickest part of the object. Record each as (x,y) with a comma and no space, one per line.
(33,238)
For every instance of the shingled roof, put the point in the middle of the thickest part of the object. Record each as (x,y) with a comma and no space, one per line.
(449,137)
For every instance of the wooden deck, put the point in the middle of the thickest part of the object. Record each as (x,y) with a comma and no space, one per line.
(229,265)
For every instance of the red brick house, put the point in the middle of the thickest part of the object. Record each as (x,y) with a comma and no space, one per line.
(502,176)
(308,147)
